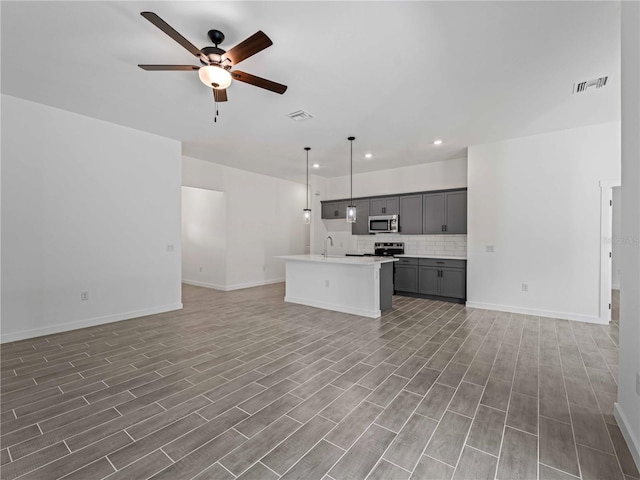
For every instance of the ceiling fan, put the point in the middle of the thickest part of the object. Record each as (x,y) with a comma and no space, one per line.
(216,70)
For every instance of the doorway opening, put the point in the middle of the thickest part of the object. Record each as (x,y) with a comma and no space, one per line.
(609,236)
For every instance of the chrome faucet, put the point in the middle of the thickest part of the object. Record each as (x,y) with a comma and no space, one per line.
(324,252)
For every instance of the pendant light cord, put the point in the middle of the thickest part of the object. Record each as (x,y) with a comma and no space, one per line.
(307,149)
(351,139)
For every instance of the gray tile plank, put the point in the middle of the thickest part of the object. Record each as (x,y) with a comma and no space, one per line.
(519,456)
(496,394)
(486,431)
(557,448)
(145,445)
(387,471)
(33,461)
(523,413)
(376,376)
(452,374)
(318,382)
(435,401)
(448,439)
(262,399)
(363,455)
(597,465)
(422,381)
(143,468)
(197,437)
(258,472)
(214,472)
(432,469)
(622,452)
(201,459)
(548,473)
(262,419)
(96,470)
(341,406)
(399,410)
(316,463)
(254,449)
(216,408)
(478,373)
(387,390)
(349,429)
(475,464)
(406,449)
(314,404)
(466,399)
(352,375)
(285,455)
(590,429)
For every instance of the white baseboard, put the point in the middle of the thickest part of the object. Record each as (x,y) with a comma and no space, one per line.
(88,322)
(632,442)
(237,286)
(337,308)
(538,313)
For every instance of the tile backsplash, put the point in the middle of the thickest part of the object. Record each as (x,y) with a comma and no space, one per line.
(455,245)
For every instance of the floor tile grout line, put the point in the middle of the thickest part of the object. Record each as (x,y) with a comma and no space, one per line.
(558,470)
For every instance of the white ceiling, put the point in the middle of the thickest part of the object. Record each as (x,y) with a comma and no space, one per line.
(396,75)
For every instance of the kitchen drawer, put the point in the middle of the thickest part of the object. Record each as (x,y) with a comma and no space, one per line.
(435,262)
(407,261)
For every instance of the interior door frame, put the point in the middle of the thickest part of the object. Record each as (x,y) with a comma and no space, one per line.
(606,243)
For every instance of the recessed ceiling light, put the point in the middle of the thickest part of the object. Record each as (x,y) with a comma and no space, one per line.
(316,165)
(437,142)
(368,155)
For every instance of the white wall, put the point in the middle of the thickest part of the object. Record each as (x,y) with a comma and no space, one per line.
(86,206)
(628,406)
(616,218)
(204,237)
(536,200)
(264,220)
(415,178)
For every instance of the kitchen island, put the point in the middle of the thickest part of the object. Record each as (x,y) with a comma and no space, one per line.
(357,285)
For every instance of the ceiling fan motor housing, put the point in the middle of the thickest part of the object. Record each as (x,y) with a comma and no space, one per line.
(211,55)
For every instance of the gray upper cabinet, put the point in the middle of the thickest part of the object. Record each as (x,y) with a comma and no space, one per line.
(334,210)
(411,215)
(384,206)
(361,227)
(444,212)
(432,213)
(456,212)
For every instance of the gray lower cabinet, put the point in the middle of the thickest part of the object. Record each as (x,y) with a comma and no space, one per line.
(361,227)
(432,278)
(334,210)
(406,278)
(411,215)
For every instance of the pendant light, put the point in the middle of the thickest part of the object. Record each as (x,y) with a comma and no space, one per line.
(351,208)
(307,211)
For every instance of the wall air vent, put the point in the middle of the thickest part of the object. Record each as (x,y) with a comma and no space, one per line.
(583,86)
(299,115)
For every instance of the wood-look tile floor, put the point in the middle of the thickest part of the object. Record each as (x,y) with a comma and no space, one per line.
(242,385)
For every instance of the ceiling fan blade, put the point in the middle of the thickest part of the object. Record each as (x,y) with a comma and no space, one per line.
(258,82)
(252,45)
(168,67)
(169,30)
(219,95)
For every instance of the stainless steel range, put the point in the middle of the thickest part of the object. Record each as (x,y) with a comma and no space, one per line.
(388,249)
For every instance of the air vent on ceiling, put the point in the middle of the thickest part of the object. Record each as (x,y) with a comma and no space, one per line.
(299,115)
(583,86)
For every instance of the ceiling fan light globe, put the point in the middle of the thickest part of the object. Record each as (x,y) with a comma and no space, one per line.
(214,77)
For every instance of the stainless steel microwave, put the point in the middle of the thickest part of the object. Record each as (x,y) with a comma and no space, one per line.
(383,223)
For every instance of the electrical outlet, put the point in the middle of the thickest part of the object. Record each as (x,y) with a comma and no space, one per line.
(264,268)
(638,383)
(84,296)
(525,287)
(489,248)
(200,269)
(326,283)
(170,248)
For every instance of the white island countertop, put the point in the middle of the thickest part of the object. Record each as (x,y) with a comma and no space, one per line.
(439,257)
(341,259)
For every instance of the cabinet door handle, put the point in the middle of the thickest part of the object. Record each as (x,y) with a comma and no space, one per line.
(442,228)
(445,228)
(440,263)
(384,209)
